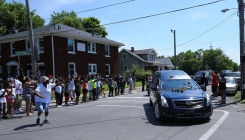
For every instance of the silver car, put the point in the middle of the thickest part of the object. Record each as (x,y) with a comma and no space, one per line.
(231,85)
(236,76)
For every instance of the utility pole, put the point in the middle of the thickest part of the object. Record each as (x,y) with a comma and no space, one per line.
(31,39)
(242,60)
(175,60)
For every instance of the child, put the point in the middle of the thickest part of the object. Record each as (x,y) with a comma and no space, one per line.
(67,94)
(2,102)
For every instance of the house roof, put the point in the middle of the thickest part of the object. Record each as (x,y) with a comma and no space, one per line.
(135,55)
(166,61)
(144,51)
(59,30)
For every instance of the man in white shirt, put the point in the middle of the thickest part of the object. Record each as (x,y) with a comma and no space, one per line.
(18,95)
(44,89)
(71,88)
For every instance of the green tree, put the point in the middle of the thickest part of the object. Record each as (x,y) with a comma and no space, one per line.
(136,70)
(89,24)
(14,18)
(161,56)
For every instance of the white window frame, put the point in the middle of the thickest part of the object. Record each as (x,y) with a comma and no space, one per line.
(74,64)
(107,55)
(71,52)
(28,42)
(152,57)
(125,66)
(125,55)
(90,47)
(11,49)
(108,69)
(92,66)
(41,49)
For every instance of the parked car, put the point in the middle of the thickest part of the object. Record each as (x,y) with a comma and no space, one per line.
(175,95)
(198,75)
(225,71)
(231,86)
(236,76)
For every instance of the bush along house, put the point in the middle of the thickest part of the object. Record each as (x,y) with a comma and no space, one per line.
(63,50)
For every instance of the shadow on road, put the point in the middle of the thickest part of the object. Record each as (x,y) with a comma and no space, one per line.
(25,127)
(150,117)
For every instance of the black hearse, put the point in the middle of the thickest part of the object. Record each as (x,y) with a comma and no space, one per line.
(175,95)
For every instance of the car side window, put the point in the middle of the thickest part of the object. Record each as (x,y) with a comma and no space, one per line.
(156,81)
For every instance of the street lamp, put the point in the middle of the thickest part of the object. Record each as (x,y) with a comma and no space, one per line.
(241,25)
(175,63)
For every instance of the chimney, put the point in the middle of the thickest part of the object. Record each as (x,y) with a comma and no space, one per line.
(132,49)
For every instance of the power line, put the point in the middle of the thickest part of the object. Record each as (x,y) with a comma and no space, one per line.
(162,13)
(203,32)
(100,7)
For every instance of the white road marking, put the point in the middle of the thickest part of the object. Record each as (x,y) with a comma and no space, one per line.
(215,126)
(130,97)
(123,106)
(124,101)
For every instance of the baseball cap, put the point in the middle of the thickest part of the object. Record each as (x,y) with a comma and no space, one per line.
(43,79)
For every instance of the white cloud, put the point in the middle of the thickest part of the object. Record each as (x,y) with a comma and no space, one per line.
(198,15)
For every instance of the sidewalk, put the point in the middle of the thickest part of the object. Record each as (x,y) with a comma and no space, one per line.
(53,101)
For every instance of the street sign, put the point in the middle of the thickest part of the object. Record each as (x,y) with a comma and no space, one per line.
(22,53)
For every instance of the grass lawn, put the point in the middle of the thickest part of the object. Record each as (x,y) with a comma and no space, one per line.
(237,98)
(138,84)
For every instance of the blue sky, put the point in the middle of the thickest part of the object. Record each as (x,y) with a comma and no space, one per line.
(154,32)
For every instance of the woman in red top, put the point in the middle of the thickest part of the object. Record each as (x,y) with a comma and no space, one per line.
(8,90)
(85,90)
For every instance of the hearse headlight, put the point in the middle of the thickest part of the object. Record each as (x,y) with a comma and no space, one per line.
(208,100)
(164,101)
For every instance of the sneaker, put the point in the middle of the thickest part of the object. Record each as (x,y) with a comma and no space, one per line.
(46,122)
(58,106)
(17,112)
(38,121)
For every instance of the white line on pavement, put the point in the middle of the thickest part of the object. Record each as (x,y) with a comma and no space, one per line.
(124,106)
(124,101)
(215,126)
(129,97)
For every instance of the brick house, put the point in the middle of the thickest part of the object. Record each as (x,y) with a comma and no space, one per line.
(63,51)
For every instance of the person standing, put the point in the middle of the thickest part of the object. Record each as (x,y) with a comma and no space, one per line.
(214,84)
(110,86)
(93,85)
(89,89)
(71,88)
(78,90)
(222,88)
(204,82)
(44,89)
(18,95)
(115,86)
(3,102)
(28,90)
(143,83)
(118,84)
(85,90)
(122,84)
(58,92)
(130,82)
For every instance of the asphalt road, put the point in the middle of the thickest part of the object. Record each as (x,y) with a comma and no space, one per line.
(127,117)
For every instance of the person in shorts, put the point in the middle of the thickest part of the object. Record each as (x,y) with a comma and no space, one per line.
(44,89)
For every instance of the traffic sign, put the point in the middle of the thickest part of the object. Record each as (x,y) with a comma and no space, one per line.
(22,53)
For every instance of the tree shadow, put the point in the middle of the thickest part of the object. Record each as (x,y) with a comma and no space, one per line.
(150,118)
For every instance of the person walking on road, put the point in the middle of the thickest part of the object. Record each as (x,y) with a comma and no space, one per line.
(44,89)
(222,88)
(204,82)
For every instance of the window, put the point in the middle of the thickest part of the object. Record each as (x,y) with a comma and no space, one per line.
(92,69)
(28,46)
(107,50)
(124,56)
(152,56)
(71,46)
(91,48)
(125,67)
(72,68)
(39,43)
(12,49)
(107,70)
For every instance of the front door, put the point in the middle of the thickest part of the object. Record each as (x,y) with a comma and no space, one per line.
(12,71)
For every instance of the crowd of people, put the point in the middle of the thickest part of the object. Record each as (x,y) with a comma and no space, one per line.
(38,91)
